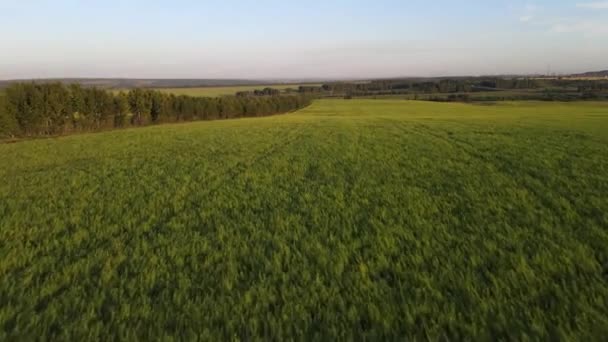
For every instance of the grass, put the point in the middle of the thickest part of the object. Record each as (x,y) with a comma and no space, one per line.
(355,219)
(222,91)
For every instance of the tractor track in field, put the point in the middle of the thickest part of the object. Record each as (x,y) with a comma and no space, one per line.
(470,150)
(540,194)
(194,199)
(467,148)
(240,167)
(220,175)
(551,144)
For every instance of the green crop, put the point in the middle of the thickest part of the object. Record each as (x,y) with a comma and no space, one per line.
(348,220)
(223,90)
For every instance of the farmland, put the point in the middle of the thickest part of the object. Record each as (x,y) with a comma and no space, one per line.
(222,91)
(377,219)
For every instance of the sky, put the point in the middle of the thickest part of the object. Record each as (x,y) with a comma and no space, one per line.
(286,39)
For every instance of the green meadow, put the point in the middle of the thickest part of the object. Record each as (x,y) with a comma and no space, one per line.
(347,220)
(223,91)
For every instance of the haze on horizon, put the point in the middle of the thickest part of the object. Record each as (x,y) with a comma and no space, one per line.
(306,39)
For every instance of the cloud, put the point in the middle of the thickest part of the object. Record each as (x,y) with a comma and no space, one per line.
(530,7)
(586,27)
(528,13)
(526,18)
(593,5)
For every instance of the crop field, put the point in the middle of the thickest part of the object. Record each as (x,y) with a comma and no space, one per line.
(350,219)
(221,91)
(477,96)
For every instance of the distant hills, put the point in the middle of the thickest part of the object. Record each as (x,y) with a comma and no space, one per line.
(125,83)
(603,73)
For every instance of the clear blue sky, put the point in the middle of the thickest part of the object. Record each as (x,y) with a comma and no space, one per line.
(299,39)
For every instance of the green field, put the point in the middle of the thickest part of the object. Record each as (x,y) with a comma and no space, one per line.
(221,91)
(361,219)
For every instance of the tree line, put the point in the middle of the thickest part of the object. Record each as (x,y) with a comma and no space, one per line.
(259,92)
(31,109)
(428,86)
(451,85)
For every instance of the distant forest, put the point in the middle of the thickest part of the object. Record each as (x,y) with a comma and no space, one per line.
(128,83)
(38,109)
(544,89)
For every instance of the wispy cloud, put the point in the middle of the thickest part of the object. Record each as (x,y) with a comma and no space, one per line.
(587,27)
(529,12)
(593,5)
(526,18)
(570,24)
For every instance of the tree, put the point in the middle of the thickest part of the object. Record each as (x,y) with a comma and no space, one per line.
(24,103)
(56,106)
(140,104)
(8,123)
(121,109)
(51,108)
(156,105)
(229,107)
